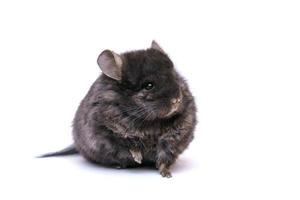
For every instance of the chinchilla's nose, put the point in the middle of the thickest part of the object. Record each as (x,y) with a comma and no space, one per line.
(176,100)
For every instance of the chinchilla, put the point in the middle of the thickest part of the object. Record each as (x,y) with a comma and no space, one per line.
(138,112)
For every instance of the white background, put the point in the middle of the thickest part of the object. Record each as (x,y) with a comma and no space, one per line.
(241,59)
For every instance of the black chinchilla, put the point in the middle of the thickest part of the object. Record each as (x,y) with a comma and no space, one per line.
(138,112)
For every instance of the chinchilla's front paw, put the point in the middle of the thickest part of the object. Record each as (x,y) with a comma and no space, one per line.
(136,155)
(164,171)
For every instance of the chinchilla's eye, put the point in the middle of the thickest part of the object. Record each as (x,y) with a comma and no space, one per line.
(148,86)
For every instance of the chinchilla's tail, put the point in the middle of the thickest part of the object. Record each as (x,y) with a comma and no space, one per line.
(70,150)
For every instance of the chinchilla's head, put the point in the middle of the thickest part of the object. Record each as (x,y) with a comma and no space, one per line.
(146,81)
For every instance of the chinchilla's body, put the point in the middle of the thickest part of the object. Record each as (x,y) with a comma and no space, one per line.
(138,112)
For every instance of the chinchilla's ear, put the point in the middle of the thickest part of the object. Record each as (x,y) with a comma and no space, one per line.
(155,45)
(111,64)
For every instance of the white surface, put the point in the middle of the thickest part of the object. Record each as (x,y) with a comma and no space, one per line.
(240,58)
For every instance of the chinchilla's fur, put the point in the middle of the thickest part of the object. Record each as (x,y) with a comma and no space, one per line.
(138,112)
